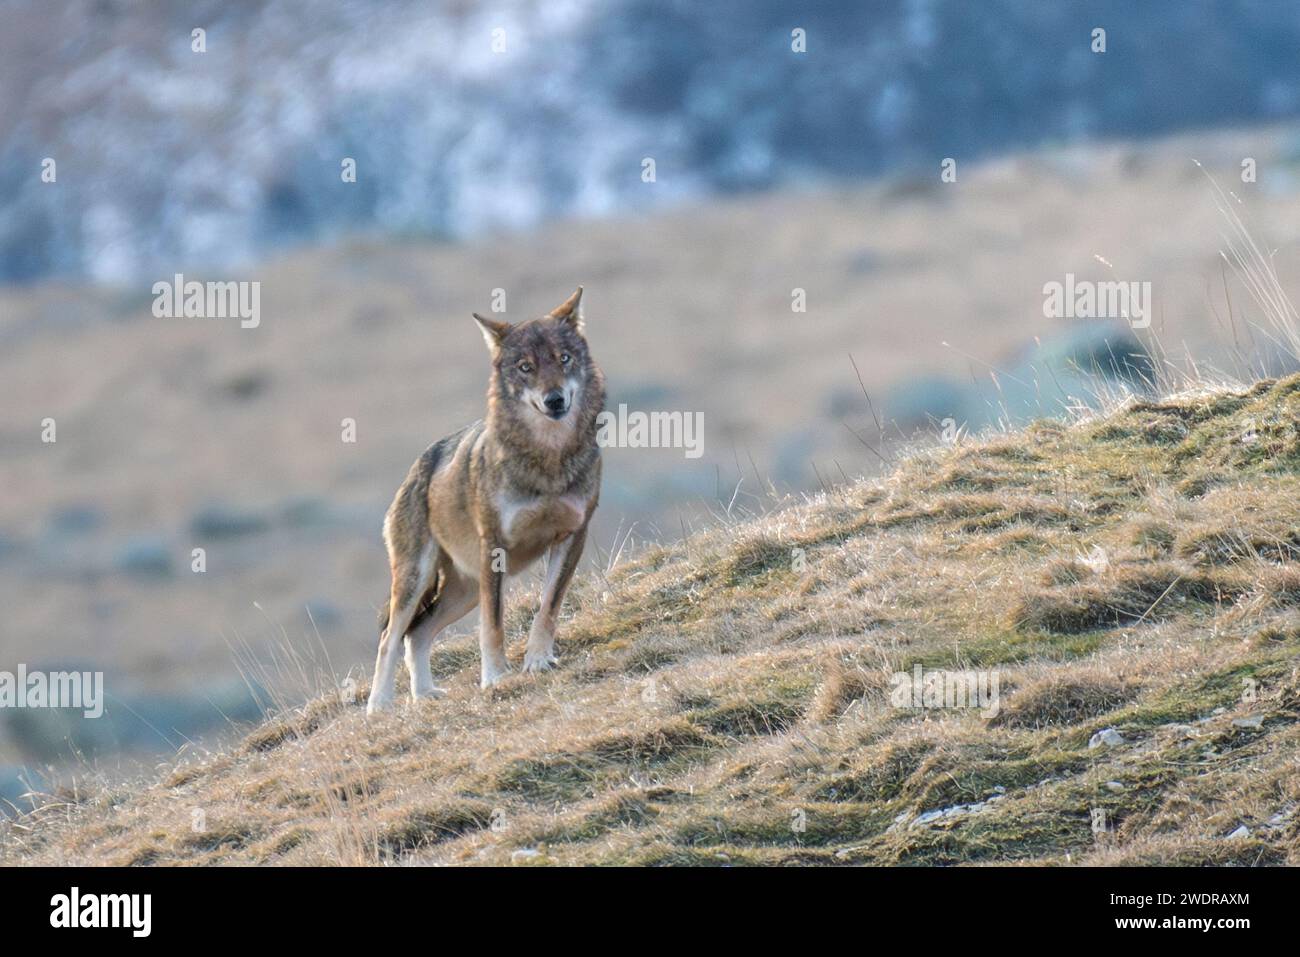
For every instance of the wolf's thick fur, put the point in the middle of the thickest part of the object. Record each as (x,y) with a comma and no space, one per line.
(487,501)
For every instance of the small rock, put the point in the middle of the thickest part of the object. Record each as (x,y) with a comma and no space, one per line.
(947,813)
(927,817)
(1254,721)
(1281,818)
(1115,785)
(525,854)
(1239,833)
(1109,737)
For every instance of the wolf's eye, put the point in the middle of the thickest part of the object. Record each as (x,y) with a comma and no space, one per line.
(565,359)
(525,367)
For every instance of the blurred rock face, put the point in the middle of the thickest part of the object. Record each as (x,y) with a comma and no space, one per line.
(465,118)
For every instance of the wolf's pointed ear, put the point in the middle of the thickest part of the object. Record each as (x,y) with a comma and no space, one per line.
(494,331)
(570,310)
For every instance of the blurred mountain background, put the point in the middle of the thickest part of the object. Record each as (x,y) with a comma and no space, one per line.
(520,168)
(173,159)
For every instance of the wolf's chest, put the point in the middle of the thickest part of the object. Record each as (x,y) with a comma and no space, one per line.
(529,523)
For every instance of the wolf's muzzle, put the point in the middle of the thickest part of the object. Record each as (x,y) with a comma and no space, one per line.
(556,404)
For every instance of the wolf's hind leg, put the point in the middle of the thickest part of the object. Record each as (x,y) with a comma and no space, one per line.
(411,579)
(455,599)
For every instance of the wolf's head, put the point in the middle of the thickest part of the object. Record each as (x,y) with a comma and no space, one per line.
(543,376)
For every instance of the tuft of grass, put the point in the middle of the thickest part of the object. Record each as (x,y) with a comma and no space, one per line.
(422,827)
(1154,537)
(1121,596)
(1066,699)
(603,761)
(756,557)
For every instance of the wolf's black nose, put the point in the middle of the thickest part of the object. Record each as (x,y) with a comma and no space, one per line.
(554,402)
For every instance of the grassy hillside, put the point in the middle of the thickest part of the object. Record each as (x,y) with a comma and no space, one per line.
(177,434)
(726,700)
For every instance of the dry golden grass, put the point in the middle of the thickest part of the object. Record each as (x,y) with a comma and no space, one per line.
(728,699)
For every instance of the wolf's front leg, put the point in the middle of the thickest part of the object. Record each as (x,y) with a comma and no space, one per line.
(561,562)
(492,635)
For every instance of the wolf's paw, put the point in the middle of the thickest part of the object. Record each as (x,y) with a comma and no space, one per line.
(378,702)
(540,660)
(428,694)
(493,675)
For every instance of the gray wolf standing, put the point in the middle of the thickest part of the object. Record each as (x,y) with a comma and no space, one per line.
(489,500)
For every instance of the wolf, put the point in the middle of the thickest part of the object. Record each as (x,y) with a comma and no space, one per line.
(487,501)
